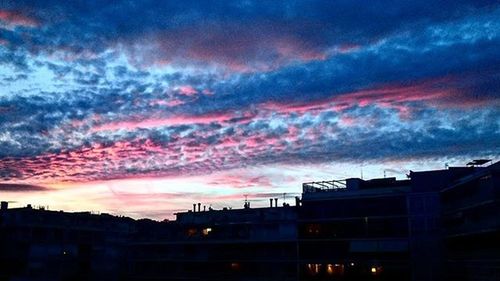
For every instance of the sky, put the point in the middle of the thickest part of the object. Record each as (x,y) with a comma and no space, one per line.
(142,108)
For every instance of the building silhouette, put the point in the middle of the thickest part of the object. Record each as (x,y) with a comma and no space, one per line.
(38,244)
(435,225)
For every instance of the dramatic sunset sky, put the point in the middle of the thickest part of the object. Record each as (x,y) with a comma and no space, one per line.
(141,108)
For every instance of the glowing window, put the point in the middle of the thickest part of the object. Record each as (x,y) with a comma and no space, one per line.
(235,266)
(191,232)
(313,228)
(207,231)
(314,268)
(335,269)
(375,270)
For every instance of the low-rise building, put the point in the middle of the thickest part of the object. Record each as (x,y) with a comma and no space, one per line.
(244,244)
(37,244)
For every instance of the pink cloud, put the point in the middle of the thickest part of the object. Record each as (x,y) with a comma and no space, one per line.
(187,90)
(299,107)
(207,92)
(348,121)
(347,48)
(169,103)
(443,92)
(15,18)
(161,122)
(99,161)
(241,181)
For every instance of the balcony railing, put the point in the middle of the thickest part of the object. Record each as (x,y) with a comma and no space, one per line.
(319,186)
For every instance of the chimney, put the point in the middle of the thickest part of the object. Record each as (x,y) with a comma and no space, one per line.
(297,201)
(204,208)
(5,205)
(194,207)
(199,207)
(270,202)
(275,202)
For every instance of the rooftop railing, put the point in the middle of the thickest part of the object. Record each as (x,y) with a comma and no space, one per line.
(319,186)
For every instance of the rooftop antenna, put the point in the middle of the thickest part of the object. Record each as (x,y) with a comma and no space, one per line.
(246,204)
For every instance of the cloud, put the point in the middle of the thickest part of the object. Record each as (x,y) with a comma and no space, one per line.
(174,90)
(11,19)
(241,181)
(12,187)
(169,122)
(252,36)
(209,148)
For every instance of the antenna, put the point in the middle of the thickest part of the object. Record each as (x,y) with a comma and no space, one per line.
(247,204)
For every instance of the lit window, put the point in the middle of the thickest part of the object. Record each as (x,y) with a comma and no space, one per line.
(191,232)
(235,266)
(329,269)
(376,270)
(314,268)
(335,269)
(313,228)
(207,231)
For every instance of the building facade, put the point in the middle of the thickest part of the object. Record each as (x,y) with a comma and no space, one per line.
(37,244)
(245,244)
(355,230)
(471,223)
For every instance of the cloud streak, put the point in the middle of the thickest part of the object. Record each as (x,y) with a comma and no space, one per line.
(12,187)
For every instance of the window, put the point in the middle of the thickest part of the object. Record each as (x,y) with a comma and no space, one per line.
(191,232)
(206,231)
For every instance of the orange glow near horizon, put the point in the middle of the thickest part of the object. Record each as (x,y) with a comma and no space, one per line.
(161,197)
